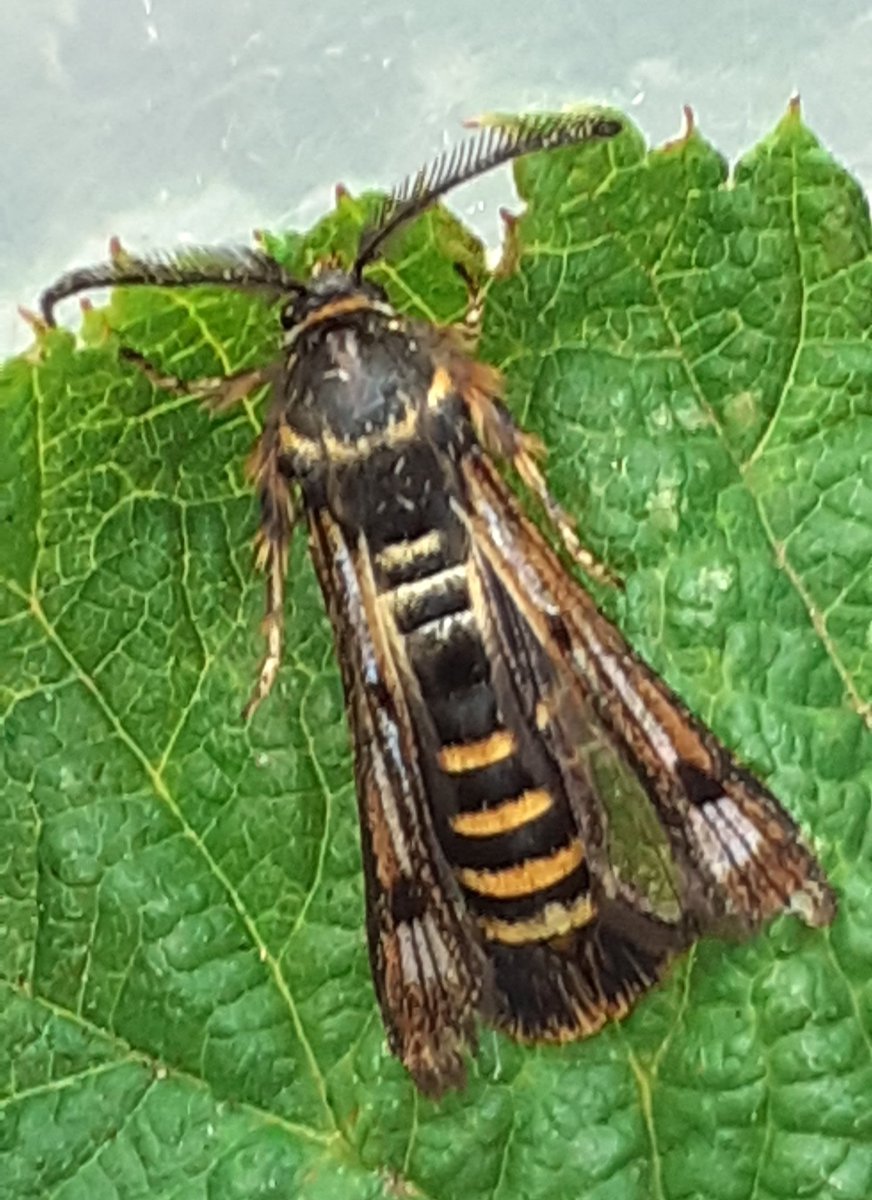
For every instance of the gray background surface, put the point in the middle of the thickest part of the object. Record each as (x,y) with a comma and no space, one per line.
(162,120)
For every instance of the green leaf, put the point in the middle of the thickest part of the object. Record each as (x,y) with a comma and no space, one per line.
(186,1004)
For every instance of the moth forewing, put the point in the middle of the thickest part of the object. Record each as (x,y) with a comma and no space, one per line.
(740,857)
(428,968)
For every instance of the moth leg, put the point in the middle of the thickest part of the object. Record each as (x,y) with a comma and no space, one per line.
(221,393)
(216,392)
(524,462)
(272,541)
(468,329)
(500,435)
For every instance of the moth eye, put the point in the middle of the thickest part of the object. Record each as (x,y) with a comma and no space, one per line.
(288,316)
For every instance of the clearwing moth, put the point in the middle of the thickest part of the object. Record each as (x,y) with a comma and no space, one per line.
(544,824)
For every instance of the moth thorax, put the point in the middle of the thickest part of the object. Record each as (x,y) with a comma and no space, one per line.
(358,380)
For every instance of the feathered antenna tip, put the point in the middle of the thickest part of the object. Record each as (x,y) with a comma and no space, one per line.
(500,139)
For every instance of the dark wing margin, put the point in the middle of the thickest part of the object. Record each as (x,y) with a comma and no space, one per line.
(741,859)
(428,968)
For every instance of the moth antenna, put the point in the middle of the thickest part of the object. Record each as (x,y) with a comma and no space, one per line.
(496,144)
(220,266)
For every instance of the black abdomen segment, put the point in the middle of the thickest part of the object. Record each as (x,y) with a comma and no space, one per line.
(501,815)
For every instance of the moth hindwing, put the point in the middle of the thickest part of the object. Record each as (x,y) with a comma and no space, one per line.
(544,824)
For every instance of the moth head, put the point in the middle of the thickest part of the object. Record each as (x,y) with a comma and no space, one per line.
(328,285)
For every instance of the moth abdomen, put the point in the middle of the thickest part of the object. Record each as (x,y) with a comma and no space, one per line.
(502,819)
